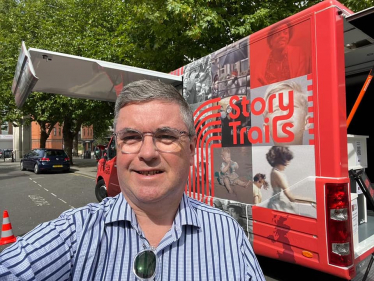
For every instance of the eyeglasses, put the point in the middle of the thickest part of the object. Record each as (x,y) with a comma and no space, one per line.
(166,139)
(145,265)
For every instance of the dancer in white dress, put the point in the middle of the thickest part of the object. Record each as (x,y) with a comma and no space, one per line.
(282,200)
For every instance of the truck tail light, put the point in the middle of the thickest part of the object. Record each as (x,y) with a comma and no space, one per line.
(67,159)
(339,225)
(44,159)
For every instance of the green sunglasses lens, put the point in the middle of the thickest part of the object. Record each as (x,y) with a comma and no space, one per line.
(145,264)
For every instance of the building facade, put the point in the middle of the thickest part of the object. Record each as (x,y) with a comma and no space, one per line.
(6,136)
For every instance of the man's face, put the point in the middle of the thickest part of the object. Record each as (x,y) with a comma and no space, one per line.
(299,119)
(150,176)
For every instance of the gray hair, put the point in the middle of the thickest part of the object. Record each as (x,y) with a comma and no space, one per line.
(147,90)
(279,87)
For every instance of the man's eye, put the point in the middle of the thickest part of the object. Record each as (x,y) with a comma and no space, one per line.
(131,138)
(166,137)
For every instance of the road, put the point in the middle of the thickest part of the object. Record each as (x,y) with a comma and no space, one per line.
(31,199)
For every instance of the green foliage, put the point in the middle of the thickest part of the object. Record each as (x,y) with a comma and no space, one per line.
(358,5)
(75,27)
(155,34)
(167,34)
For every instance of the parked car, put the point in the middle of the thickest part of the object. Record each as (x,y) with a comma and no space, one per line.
(45,159)
(7,153)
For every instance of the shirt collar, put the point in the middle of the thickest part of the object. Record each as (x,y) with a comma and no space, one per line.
(186,214)
(120,210)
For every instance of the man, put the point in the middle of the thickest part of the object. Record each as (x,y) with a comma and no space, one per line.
(151,230)
(286,113)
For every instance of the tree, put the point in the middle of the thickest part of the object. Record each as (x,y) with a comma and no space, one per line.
(43,109)
(155,34)
(165,35)
(81,113)
(358,5)
(75,27)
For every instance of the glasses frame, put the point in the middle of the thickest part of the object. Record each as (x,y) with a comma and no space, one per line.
(156,267)
(152,134)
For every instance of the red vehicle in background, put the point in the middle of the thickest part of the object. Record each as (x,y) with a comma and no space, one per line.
(106,177)
(262,111)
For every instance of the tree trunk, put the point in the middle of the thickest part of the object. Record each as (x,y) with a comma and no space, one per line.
(43,137)
(68,137)
(76,144)
(45,132)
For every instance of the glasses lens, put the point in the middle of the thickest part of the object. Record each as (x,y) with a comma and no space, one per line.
(145,264)
(129,141)
(166,140)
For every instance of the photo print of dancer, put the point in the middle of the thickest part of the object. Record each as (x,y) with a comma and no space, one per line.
(290,172)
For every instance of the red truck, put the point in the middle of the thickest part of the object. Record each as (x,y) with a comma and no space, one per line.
(276,104)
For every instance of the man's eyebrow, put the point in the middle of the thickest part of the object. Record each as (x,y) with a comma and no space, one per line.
(166,128)
(125,130)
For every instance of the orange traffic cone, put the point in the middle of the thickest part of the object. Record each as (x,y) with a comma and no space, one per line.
(7,233)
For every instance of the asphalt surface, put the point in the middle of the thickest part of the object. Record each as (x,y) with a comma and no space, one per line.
(10,171)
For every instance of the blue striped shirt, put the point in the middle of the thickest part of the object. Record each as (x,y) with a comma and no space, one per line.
(100,241)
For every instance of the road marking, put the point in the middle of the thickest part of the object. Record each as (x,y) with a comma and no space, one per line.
(38,200)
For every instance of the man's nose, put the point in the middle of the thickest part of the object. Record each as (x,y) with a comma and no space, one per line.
(148,149)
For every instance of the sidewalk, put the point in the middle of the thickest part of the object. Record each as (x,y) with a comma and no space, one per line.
(87,167)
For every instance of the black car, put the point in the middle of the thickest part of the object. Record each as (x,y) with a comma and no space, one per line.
(45,159)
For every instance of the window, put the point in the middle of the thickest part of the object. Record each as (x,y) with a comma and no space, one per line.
(4,128)
(56,153)
(54,131)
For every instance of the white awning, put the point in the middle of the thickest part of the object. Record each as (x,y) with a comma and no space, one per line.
(77,77)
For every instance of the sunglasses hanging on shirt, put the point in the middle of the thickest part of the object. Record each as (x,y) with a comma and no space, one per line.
(145,265)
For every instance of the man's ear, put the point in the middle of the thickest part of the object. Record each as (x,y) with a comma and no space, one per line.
(192,150)
(308,125)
